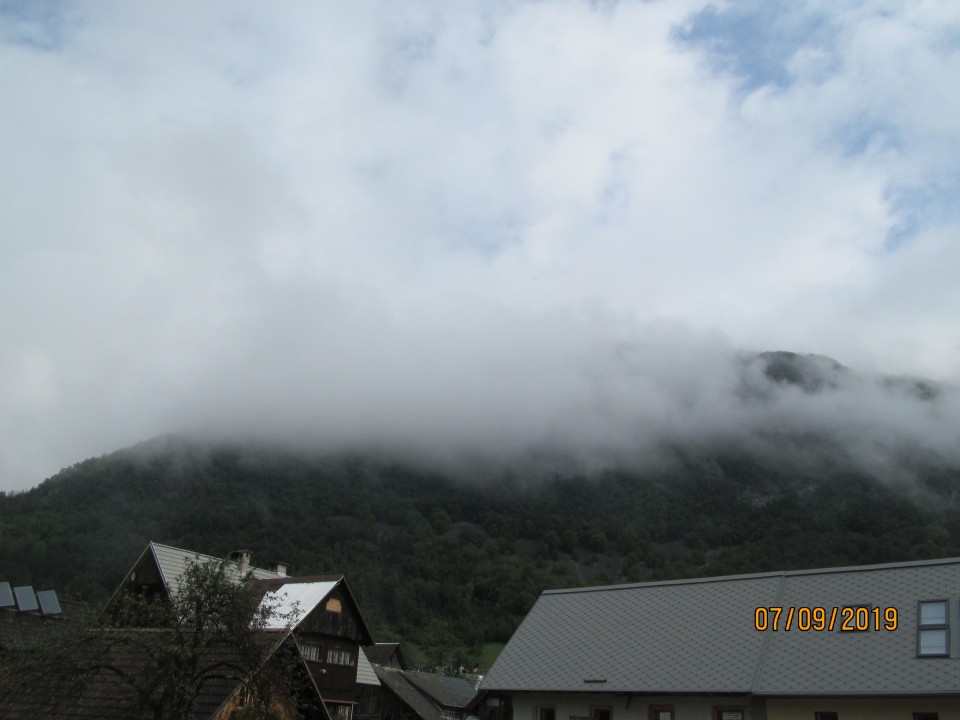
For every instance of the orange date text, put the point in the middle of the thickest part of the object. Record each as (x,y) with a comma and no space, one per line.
(820,619)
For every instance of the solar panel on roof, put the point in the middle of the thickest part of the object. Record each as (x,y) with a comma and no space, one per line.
(26,599)
(6,595)
(49,604)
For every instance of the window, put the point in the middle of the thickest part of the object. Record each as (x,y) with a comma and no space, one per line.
(926,716)
(825,716)
(546,712)
(933,630)
(727,713)
(334,605)
(244,697)
(661,712)
(311,651)
(340,656)
(341,712)
(601,712)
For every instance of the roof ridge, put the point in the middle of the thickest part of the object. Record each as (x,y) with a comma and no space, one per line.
(755,576)
(661,583)
(206,556)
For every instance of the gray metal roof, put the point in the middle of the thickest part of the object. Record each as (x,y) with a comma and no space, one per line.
(174,561)
(365,673)
(698,636)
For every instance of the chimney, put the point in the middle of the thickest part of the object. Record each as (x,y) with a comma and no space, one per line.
(280,568)
(242,559)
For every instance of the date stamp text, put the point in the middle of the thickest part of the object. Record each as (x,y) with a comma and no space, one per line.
(825,619)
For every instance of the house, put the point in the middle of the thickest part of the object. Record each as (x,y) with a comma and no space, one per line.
(322,615)
(876,641)
(408,695)
(319,612)
(62,668)
(159,568)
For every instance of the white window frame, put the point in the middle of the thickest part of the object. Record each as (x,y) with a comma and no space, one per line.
(942,629)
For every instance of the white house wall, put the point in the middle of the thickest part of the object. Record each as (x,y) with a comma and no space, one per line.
(636,707)
(860,709)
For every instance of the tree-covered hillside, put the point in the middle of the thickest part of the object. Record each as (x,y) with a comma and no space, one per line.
(449,563)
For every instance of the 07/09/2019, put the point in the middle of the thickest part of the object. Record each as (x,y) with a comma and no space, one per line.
(819,619)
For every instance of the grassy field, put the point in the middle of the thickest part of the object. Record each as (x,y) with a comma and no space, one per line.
(489,654)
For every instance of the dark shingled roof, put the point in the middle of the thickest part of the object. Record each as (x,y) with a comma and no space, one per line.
(698,636)
(394,680)
(382,653)
(427,693)
(451,692)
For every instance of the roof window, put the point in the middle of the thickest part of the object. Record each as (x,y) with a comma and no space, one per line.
(933,629)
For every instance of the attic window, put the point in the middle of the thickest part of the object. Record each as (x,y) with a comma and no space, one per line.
(334,606)
(933,629)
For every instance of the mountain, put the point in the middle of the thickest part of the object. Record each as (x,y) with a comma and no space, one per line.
(450,557)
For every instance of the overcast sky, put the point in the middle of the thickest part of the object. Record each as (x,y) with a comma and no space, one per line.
(453,223)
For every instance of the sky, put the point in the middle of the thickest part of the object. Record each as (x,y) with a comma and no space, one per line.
(467,226)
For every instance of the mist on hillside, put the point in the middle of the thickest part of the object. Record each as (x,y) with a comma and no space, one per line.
(573,392)
(570,399)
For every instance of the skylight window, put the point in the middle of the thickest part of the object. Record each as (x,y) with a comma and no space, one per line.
(933,629)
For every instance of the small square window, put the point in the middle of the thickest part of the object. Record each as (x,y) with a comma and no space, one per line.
(546,713)
(933,613)
(933,642)
(601,712)
(661,712)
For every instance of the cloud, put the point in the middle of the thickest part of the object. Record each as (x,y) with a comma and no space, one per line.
(437,226)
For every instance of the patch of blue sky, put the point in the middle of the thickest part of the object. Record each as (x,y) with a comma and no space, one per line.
(919,207)
(862,134)
(755,40)
(43,26)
